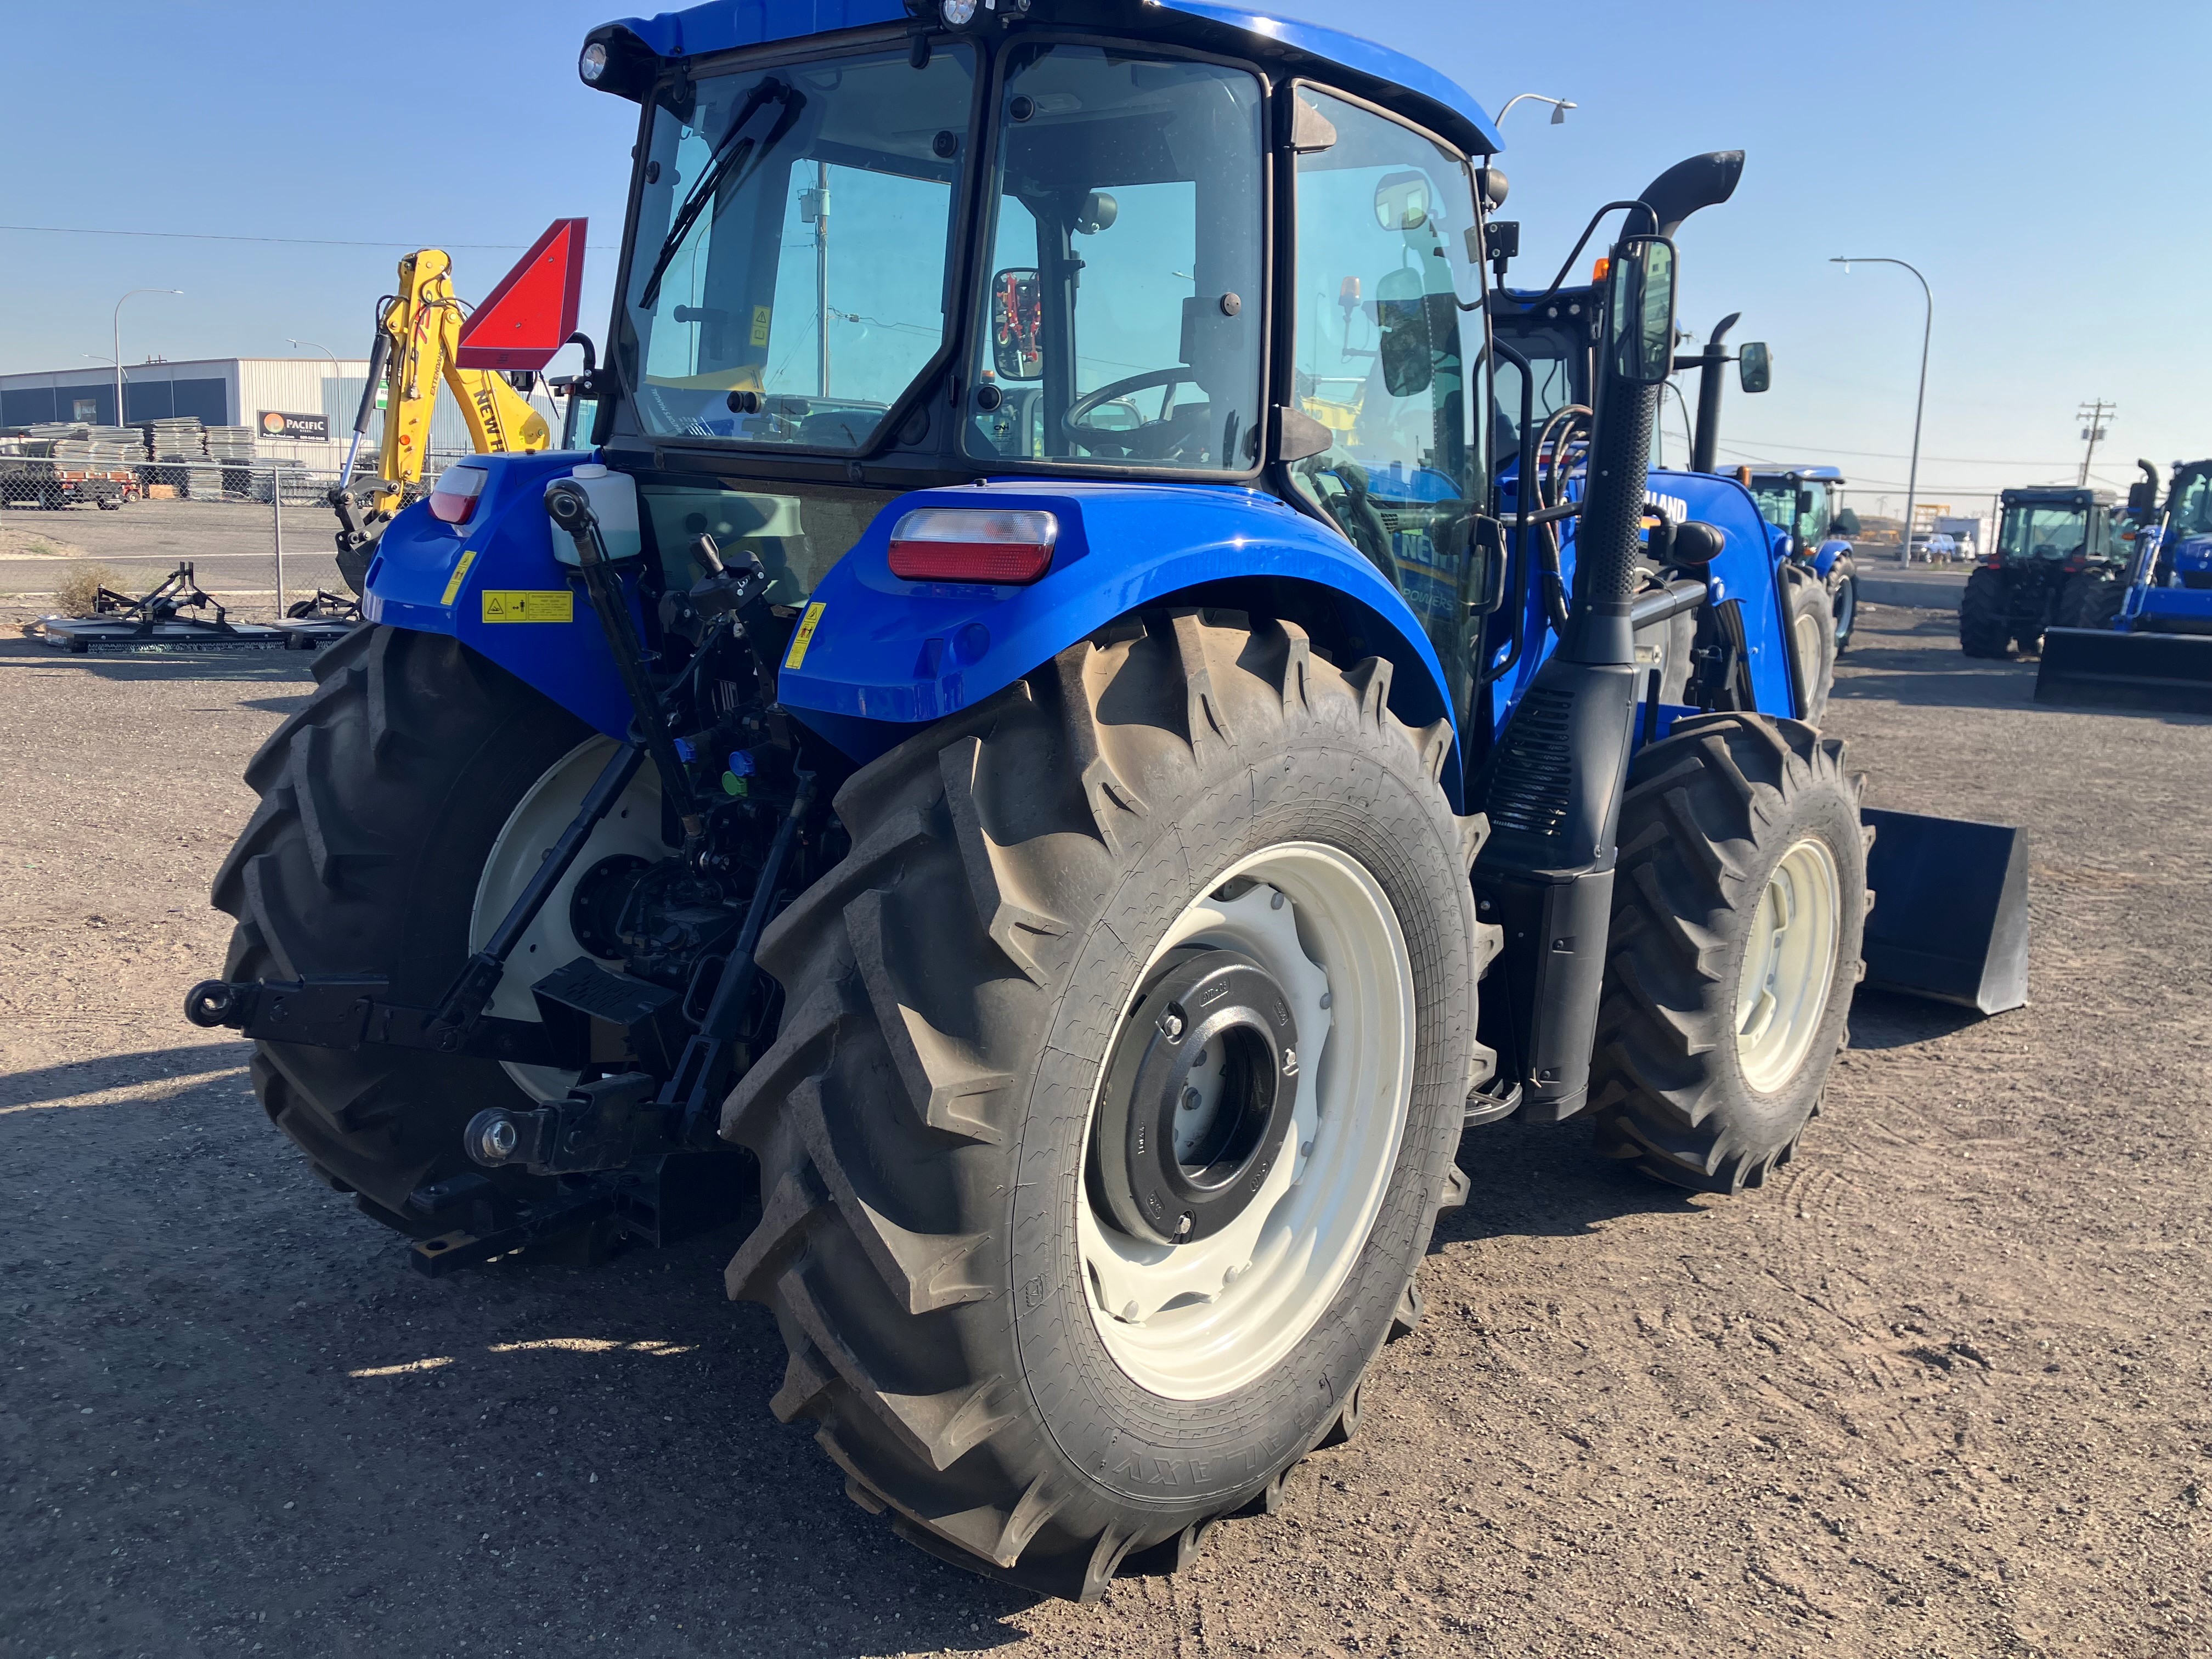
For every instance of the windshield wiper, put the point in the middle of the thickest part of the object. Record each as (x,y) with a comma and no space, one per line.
(732,154)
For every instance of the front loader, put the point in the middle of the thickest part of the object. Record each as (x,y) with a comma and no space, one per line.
(2136,631)
(1021,768)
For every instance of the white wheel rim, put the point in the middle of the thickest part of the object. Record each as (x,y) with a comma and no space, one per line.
(1808,631)
(632,826)
(1196,1321)
(1788,965)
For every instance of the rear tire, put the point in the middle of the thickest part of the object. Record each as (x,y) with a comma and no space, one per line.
(1716,1028)
(1984,621)
(379,801)
(931,1180)
(1811,639)
(2092,599)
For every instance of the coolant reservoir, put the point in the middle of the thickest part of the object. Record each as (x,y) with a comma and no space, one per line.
(614,504)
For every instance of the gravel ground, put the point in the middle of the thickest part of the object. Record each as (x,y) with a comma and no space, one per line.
(1940,1390)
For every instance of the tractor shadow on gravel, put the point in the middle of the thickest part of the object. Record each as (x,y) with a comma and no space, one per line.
(1543,1180)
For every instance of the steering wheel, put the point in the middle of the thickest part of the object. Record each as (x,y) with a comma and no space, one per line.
(1165,438)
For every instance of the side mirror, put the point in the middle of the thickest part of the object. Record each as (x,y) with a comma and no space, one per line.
(2143,498)
(1401,315)
(1401,201)
(1754,368)
(1640,310)
(1016,323)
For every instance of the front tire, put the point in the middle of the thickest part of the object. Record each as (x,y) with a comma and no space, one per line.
(1844,600)
(2091,599)
(1735,949)
(964,994)
(1811,639)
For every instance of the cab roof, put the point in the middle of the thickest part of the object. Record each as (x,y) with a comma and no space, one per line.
(636,45)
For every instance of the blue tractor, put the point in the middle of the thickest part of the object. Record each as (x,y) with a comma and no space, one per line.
(2135,629)
(1802,504)
(1003,768)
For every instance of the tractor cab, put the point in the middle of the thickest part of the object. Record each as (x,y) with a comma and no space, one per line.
(1804,503)
(2066,529)
(1042,243)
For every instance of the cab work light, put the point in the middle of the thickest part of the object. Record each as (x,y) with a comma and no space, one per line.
(453,497)
(973,545)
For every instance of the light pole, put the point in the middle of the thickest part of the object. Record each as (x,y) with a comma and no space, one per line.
(1920,403)
(325,350)
(1559,106)
(117,323)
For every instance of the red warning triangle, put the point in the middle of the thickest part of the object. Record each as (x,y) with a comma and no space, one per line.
(533,312)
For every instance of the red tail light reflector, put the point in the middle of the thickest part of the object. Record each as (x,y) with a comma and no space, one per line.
(973,545)
(453,497)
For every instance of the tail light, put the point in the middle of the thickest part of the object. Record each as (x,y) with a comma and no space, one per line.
(973,545)
(453,497)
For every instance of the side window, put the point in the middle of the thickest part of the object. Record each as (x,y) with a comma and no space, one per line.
(1386,360)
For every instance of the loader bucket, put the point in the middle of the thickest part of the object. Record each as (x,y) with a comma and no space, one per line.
(2100,668)
(1949,920)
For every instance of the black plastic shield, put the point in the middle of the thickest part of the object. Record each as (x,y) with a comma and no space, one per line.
(1949,920)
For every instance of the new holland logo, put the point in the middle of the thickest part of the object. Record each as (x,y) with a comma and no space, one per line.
(1673,507)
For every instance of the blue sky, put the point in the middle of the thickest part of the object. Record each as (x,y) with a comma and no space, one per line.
(2041,163)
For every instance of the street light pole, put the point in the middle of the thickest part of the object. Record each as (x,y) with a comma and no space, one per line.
(1559,106)
(115,324)
(325,350)
(1920,403)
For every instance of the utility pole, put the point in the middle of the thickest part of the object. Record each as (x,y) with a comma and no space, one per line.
(814,205)
(2092,417)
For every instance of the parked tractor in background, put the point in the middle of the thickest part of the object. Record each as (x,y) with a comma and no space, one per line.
(1010,784)
(2136,631)
(1804,504)
(2047,536)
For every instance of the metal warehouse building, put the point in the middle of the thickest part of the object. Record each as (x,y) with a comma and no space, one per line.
(318,394)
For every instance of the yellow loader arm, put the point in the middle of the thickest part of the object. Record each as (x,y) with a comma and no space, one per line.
(418,345)
(423,327)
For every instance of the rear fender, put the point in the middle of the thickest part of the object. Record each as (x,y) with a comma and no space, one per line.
(883,656)
(494,585)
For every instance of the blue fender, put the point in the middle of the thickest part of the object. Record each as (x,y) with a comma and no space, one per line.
(1825,555)
(885,656)
(455,579)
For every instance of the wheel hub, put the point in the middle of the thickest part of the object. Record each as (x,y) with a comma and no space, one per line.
(1198,1098)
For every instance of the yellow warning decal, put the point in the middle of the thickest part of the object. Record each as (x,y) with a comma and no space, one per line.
(761,315)
(804,636)
(509,606)
(460,573)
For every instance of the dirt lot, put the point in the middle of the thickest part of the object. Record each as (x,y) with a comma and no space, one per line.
(1940,1390)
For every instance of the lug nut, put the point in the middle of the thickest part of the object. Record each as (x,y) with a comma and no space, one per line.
(1182,1227)
(1305,1149)
(1171,1024)
(1190,1100)
(499,1139)
(1129,1312)
(1275,899)
(1290,1062)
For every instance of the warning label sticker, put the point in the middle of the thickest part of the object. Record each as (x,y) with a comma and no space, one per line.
(460,573)
(804,636)
(510,606)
